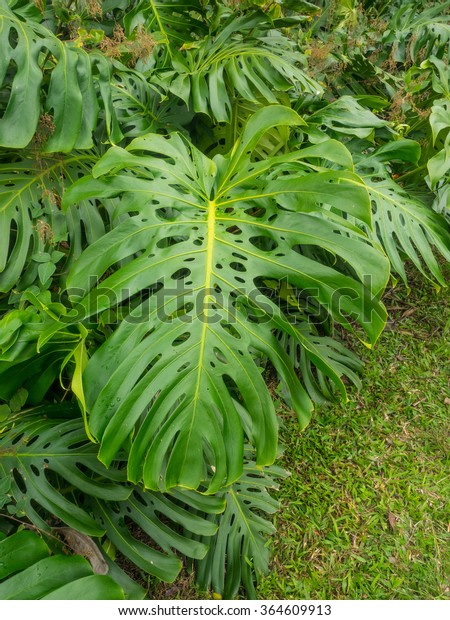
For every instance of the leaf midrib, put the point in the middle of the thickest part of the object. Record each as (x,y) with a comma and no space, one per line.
(211,224)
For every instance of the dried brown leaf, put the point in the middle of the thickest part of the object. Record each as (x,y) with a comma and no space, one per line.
(408,312)
(85,546)
(392,520)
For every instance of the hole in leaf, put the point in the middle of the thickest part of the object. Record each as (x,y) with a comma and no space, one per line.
(32,440)
(234,230)
(238,267)
(18,479)
(181,339)
(13,38)
(230,329)
(17,438)
(256,211)
(181,274)
(266,244)
(170,241)
(220,356)
(184,366)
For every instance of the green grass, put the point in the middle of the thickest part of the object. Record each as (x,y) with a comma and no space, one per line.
(366,510)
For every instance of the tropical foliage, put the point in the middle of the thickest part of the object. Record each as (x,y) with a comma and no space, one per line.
(29,573)
(194,196)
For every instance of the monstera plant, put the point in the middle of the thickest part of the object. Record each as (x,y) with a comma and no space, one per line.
(183,210)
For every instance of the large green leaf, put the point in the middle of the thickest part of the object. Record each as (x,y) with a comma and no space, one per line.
(32,226)
(405,225)
(76,83)
(208,74)
(172,22)
(141,107)
(439,165)
(38,453)
(322,361)
(19,551)
(202,236)
(158,516)
(26,572)
(239,553)
(346,117)
(54,474)
(417,29)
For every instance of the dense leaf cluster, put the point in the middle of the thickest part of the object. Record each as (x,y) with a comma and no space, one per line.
(193,194)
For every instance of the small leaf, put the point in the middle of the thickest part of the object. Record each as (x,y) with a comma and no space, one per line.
(41,257)
(45,271)
(5,412)
(18,400)
(56,256)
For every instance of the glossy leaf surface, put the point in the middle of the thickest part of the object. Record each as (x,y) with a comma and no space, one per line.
(203,235)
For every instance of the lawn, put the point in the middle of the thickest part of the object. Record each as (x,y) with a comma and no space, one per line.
(366,510)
